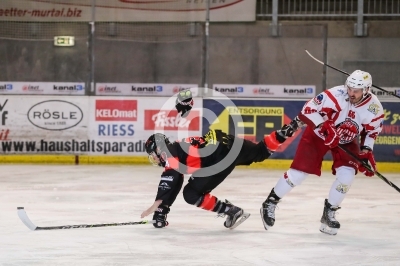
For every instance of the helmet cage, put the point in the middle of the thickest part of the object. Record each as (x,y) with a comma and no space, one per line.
(154,146)
(155,159)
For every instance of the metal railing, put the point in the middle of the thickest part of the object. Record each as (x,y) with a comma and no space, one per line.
(326,9)
(359,10)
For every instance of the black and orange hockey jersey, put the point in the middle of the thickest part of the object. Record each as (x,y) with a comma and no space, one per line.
(197,155)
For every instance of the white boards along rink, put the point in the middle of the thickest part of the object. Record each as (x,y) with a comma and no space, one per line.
(83,125)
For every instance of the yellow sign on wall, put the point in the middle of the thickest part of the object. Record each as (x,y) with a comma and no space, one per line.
(64,41)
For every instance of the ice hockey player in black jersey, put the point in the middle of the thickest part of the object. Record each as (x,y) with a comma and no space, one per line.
(209,159)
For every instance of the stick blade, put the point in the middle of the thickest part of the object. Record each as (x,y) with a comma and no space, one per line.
(25,219)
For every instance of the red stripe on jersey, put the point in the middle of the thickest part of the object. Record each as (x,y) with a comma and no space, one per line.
(368,127)
(364,101)
(193,160)
(173,163)
(208,202)
(327,111)
(333,99)
(306,120)
(376,118)
(335,116)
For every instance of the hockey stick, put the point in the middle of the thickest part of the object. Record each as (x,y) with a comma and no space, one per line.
(25,219)
(343,72)
(369,168)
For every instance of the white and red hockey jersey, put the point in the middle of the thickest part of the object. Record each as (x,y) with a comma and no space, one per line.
(364,118)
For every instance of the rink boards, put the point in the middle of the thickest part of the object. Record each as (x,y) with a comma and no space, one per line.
(90,130)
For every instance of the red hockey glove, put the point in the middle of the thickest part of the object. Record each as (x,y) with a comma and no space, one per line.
(328,130)
(368,158)
(272,142)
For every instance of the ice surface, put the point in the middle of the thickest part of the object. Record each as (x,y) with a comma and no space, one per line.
(64,195)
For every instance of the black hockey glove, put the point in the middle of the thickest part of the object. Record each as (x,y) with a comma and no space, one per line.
(160,216)
(287,131)
(224,138)
(184,102)
(215,136)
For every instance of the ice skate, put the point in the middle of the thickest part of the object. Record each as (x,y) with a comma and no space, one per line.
(267,210)
(329,225)
(235,216)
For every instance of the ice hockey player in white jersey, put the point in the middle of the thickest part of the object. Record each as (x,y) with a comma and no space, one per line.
(336,116)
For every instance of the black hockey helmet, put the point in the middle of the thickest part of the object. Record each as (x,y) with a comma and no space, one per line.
(155,147)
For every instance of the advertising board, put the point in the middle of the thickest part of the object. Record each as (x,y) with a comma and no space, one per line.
(143,89)
(42,88)
(261,117)
(90,125)
(264,91)
(127,10)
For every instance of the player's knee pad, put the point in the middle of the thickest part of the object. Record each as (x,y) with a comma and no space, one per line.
(190,195)
(294,177)
(205,201)
(344,178)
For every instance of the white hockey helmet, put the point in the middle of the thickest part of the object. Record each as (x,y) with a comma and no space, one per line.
(359,80)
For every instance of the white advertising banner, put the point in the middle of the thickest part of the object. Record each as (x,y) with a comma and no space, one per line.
(384,96)
(144,89)
(124,124)
(43,124)
(47,88)
(91,125)
(127,10)
(265,91)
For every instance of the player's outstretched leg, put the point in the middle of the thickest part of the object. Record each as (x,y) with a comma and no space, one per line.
(267,210)
(235,215)
(329,225)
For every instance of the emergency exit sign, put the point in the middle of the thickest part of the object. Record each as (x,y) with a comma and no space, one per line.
(64,41)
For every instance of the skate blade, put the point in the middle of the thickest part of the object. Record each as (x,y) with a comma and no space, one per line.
(328,230)
(266,226)
(240,220)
